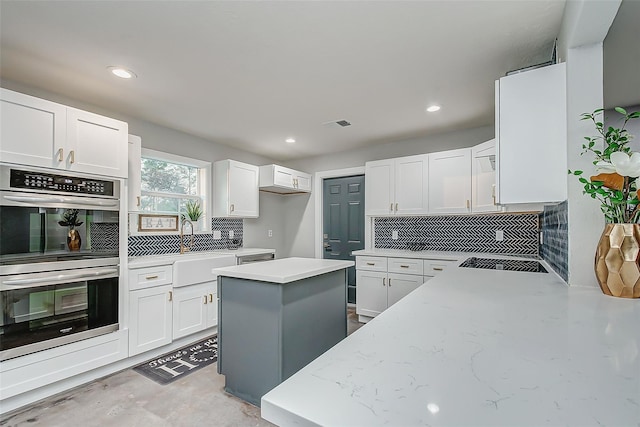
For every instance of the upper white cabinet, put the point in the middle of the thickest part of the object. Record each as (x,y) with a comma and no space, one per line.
(133,183)
(450,181)
(483,177)
(397,186)
(278,179)
(236,191)
(37,132)
(531,136)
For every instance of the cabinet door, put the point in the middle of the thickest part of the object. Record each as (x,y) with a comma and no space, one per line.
(450,181)
(150,317)
(190,310)
(133,181)
(212,305)
(371,298)
(532,136)
(96,144)
(32,130)
(483,177)
(411,185)
(400,285)
(283,177)
(303,181)
(243,190)
(379,187)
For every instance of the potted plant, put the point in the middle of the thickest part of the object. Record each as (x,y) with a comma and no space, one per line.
(193,211)
(616,185)
(70,219)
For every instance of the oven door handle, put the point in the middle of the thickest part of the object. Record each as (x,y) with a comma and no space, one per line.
(90,202)
(61,278)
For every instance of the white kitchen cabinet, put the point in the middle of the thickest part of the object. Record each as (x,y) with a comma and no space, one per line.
(381,282)
(133,183)
(401,285)
(371,298)
(37,132)
(531,136)
(450,181)
(236,192)
(397,186)
(195,308)
(31,130)
(483,177)
(278,179)
(150,317)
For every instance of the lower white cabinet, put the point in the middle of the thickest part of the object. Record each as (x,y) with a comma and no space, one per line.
(195,308)
(150,314)
(383,281)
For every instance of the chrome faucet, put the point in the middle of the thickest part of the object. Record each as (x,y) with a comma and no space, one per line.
(185,248)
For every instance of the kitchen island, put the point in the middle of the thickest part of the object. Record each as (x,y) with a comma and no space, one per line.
(477,347)
(275,317)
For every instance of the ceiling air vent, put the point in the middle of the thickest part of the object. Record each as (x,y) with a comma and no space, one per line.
(342,123)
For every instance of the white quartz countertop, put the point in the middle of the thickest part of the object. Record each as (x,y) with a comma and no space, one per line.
(438,255)
(476,347)
(283,270)
(154,260)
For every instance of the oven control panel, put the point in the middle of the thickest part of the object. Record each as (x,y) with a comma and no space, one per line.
(59,183)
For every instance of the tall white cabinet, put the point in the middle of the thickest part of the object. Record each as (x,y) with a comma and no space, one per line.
(37,132)
(397,186)
(236,189)
(531,136)
(450,181)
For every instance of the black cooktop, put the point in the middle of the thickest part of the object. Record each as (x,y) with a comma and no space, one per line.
(504,264)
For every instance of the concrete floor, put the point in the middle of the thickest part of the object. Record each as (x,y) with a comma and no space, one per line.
(129,399)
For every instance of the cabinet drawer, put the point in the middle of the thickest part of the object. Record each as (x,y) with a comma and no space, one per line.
(140,278)
(405,266)
(371,263)
(433,267)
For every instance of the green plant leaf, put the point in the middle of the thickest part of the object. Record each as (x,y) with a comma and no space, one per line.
(621,110)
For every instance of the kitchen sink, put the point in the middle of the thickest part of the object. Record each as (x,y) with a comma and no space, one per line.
(190,270)
(504,264)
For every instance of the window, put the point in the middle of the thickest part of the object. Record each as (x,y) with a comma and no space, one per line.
(168,182)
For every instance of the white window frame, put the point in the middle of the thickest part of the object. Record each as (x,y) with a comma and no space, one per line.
(204,182)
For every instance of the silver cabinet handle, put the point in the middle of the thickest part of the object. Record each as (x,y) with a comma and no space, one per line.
(170,295)
(384,281)
(138,201)
(389,282)
(438,268)
(151,277)
(396,207)
(468,203)
(391,207)
(205,299)
(210,297)
(60,154)
(232,207)
(371,263)
(404,266)
(72,154)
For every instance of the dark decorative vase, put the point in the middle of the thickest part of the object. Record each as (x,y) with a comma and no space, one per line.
(618,260)
(73,240)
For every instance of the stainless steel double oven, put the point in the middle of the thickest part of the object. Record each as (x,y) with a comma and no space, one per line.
(59,258)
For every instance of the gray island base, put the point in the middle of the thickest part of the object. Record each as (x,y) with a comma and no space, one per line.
(268,330)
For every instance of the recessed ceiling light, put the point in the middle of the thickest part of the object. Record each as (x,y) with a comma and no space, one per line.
(433,108)
(290,140)
(122,72)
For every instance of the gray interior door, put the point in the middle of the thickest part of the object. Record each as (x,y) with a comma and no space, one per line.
(343,222)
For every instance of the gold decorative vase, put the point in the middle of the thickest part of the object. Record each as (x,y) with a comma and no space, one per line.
(73,240)
(617,258)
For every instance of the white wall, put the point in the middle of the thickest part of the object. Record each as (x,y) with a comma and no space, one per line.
(300,211)
(172,141)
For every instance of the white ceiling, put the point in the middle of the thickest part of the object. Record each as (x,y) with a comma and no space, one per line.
(250,74)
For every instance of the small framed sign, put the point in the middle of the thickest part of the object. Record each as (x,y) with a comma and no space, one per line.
(152,222)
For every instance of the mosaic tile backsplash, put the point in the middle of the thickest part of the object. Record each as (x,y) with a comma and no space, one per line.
(555,246)
(141,245)
(461,233)
(104,237)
